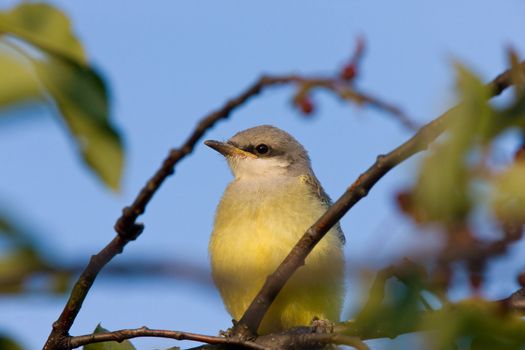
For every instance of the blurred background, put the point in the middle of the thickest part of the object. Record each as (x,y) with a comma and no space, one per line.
(167,64)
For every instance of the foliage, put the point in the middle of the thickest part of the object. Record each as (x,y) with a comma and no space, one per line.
(7,343)
(445,196)
(41,59)
(23,259)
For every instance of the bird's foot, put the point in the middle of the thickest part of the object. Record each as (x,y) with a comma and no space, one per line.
(322,326)
(238,331)
(226,334)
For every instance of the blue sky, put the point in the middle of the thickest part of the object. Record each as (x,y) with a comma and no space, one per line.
(170,63)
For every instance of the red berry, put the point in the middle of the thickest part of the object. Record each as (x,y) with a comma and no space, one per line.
(404,201)
(306,105)
(349,72)
(520,154)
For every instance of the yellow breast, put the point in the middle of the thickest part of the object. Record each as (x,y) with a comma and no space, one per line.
(256,225)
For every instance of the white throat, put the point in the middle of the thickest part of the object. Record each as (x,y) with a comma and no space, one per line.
(258,168)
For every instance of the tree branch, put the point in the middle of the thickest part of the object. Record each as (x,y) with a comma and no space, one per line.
(253,316)
(305,337)
(123,334)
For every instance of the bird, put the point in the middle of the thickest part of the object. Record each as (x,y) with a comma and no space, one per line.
(272,200)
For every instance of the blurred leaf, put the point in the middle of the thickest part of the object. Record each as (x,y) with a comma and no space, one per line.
(21,259)
(16,267)
(45,27)
(17,83)
(442,189)
(81,97)
(508,194)
(392,307)
(79,92)
(61,282)
(110,345)
(7,343)
(16,235)
(473,324)
(514,114)
(480,323)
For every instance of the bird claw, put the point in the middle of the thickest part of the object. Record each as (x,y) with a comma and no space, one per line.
(322,326)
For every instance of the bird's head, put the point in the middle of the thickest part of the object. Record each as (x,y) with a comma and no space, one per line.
(263,151)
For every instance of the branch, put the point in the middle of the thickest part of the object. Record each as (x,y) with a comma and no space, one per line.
(347,92)
(126,225)
(20,282)
(253,316)
(294,338)
(304,337)
(123,334)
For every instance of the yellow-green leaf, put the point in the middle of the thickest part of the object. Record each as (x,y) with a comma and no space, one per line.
(17,83)
(109,345)
(442,190)
(508,194)
(80,95)
(481,323)
(45,27)
(7,343)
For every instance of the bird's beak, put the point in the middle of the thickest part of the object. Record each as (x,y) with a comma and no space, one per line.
(227,149)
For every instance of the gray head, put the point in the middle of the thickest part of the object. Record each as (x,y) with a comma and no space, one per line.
(263,151)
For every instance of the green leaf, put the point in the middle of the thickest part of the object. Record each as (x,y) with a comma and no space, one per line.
(17,239)
(508,193)
(6,343)
(80,95)
(21,257)
(17,83)
(442,190)
(110,345)
(392,307)
(78,91)
(45,27)
(479,323)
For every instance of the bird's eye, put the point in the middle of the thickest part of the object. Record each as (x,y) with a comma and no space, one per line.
(262,148)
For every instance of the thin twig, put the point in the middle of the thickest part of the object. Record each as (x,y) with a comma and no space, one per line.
(274,283)
(347,92)
(123,334)
(306,337)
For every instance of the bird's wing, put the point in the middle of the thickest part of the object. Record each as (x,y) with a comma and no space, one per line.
(320,193)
